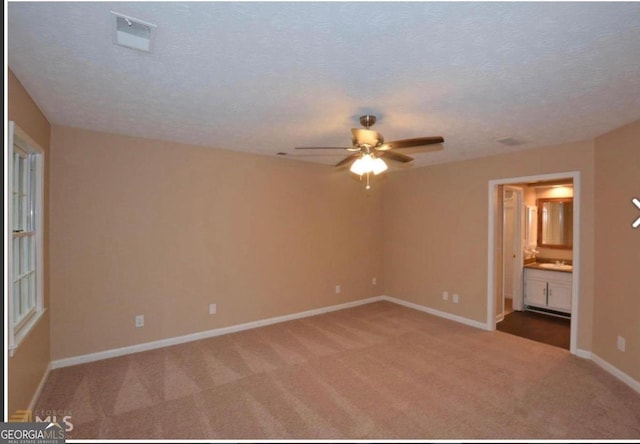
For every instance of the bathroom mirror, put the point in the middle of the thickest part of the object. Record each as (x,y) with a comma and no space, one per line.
(555,223)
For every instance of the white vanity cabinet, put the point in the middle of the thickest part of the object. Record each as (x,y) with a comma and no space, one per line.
(550,290)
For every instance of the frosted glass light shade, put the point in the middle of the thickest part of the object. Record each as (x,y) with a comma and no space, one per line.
(379,166)
(367,163)
(357,167)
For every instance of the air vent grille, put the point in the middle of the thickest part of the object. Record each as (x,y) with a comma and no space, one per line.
(133,33)
(510,141)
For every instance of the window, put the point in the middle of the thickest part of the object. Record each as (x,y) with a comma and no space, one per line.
(25,224)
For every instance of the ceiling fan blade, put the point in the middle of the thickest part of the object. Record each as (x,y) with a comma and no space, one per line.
(348,159)
(322,148)
(392,155)
(419,141)
(311,154)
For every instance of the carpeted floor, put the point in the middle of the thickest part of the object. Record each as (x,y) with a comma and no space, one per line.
(378,371)
(539,327)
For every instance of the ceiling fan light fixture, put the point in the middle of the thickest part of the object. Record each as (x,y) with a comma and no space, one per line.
(368,164)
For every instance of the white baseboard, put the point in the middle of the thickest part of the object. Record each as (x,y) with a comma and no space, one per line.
(622,376)
(616,372)
(441,314)
(585,354)
(106,354)
(36,395)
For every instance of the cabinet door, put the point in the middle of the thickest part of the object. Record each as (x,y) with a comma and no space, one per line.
(535,292)
(560,296)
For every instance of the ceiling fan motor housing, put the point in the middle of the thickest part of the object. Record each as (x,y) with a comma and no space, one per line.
(366,138)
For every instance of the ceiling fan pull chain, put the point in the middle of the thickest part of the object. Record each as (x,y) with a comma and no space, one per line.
(368,186)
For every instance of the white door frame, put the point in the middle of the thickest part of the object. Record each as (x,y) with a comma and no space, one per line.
(491,265)
(518,222)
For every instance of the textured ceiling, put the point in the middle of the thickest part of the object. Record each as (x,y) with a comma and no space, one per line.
(265,77)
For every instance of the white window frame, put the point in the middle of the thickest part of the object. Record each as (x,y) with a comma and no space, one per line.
(17,333)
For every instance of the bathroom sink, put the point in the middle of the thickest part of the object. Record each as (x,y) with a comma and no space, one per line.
(557,266)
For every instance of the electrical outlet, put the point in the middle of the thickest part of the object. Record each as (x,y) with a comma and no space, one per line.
(140,321)
(456,298)
(213,309)
(622,344)
(338,289)
(374,281)
(445,295)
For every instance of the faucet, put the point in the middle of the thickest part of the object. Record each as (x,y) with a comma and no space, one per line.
(531,252)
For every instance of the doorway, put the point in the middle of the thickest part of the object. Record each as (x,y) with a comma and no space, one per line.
(499,279)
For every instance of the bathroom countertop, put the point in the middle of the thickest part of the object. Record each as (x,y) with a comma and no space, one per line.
(537,266)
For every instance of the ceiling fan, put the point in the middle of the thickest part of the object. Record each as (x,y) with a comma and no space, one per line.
(368,147)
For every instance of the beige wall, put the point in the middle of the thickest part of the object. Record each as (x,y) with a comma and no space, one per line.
(436,222)
(617,305)
(162,229)
(31,359)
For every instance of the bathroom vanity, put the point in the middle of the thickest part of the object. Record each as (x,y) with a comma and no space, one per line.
(547,288)
(548,282)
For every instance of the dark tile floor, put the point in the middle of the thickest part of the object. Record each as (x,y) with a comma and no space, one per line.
(539,327)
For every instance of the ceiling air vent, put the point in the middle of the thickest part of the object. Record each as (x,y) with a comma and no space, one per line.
(133,33)
(510,141)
